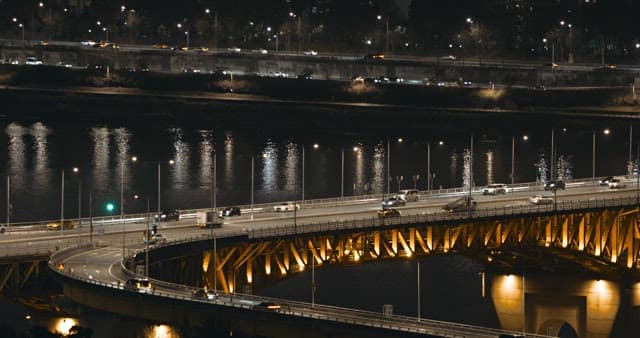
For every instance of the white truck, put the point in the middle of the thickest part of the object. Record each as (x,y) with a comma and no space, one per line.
(208,219)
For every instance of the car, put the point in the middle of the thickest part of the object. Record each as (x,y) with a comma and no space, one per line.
(229,211)
(287,206)
(494,189)
(143,67)
(138,284)
(380,79)
(88,43)
(260,51)
(204,294)
(617,183)
(172,215)
(605,181)
(190,70)
(541,199)
(374,56)
(551,65)
(463,203)
(156,239)
(409,195)
(555,185)
(234,49)
(310,52)
(33,61)
(66,224)
(304,76)
(388,212)
(448,57)
(267,306)
(394,201)
(64,64)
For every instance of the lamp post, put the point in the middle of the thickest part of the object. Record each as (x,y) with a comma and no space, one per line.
(8,201)
(470,203)
(513,156)
(342,176)
(76,170)
(386,34)
(147,238)
(171,162)
(418,290)
(62,204)
(133,159)
(214,186)
(593,158)
(429,175)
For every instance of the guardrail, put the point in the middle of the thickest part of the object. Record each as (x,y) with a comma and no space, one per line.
(517,210)
(287,307)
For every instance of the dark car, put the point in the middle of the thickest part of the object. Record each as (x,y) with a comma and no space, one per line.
(267,306)
(229,211)
(605,181)
(554,185)
(172,215)
(394,201)
(374,56)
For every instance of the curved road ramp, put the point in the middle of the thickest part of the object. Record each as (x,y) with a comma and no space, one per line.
(95,276)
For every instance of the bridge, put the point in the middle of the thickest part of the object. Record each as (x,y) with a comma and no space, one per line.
(601,234)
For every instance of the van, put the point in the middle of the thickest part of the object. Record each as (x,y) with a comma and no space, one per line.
(409,195)
(138,284)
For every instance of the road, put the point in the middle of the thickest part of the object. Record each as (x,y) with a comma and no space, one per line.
(111,230)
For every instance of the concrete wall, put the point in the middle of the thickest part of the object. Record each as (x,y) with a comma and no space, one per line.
(590,307)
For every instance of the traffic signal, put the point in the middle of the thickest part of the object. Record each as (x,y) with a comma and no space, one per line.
(110,207)
(154,229)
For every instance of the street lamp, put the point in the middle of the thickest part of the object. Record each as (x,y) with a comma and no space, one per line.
(429,175)
(315,146)
(513,155)
(171,162)
(593,158)
(133,159)
(62,204)
(76,170)
(386,34)
(389,163)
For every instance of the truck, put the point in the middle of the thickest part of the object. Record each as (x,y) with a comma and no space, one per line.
(208,219)
(461,204)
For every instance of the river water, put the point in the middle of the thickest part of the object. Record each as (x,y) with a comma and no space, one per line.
(35,154)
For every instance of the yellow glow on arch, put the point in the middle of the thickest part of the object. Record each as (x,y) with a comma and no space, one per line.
(63,325)
(162,331)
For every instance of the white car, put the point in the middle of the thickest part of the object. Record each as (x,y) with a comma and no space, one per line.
(289,206)
(409,195)
(310,52)
(617,183)
(88,43)
(540,199)
(494,189)
(234,49)
(32,61)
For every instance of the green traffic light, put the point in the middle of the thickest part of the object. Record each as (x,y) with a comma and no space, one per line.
(110,207)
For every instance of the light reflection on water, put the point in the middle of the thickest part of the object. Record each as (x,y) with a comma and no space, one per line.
(36,154)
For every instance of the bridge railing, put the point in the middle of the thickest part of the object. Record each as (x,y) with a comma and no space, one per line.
(480,213)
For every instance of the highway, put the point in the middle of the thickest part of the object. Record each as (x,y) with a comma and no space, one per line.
(101,265)
(111,229)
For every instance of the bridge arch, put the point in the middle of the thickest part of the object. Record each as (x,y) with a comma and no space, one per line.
(557,328)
